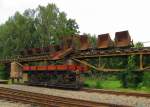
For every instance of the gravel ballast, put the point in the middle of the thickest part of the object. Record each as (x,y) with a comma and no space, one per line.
(4,103)
(96,97)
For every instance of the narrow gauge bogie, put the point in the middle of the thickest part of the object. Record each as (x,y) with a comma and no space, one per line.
(104,41)
(123,39)
(64,76)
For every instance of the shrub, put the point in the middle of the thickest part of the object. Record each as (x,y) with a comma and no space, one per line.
(2,67)
(146,79)
(131,79)
(98,84)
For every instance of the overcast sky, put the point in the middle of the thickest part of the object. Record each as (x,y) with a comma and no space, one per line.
(94,16)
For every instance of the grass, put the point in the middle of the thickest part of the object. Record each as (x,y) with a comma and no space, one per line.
(113,85)
(104,83)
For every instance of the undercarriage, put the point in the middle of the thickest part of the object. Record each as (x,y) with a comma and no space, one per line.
(56,79)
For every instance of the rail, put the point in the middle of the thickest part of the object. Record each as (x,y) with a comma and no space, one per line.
(48,100)
(135,94)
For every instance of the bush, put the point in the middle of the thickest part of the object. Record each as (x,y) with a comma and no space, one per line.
(86,85)
(2,67)
(146,79)
(131,79)
(3,73)
(98,84)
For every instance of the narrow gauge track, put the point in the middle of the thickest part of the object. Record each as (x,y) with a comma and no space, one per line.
(135,94)
(89,53)
(44,100)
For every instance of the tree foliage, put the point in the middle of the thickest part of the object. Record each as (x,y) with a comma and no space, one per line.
(139,45)
(35,28)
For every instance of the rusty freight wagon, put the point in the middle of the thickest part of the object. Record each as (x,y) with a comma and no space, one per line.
(84,42)
(65,76)
(104,41)
(123,39)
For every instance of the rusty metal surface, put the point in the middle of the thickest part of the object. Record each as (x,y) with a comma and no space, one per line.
(84,54)
(66,42)
(16,70)
(84,42)
(39,51)
(104,41)
(69,49)
(122,39)
(60,54)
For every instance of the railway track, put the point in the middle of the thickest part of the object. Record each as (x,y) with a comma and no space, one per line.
(90,53)
(135,94)
(44,100)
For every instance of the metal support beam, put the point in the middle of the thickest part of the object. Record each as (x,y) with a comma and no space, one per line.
(141,61)
(99,59)
(97,69)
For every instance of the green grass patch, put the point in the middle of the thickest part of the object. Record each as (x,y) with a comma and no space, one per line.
(113,85)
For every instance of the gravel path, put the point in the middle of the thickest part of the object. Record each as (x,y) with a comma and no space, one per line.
(96,97)
(4,103)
